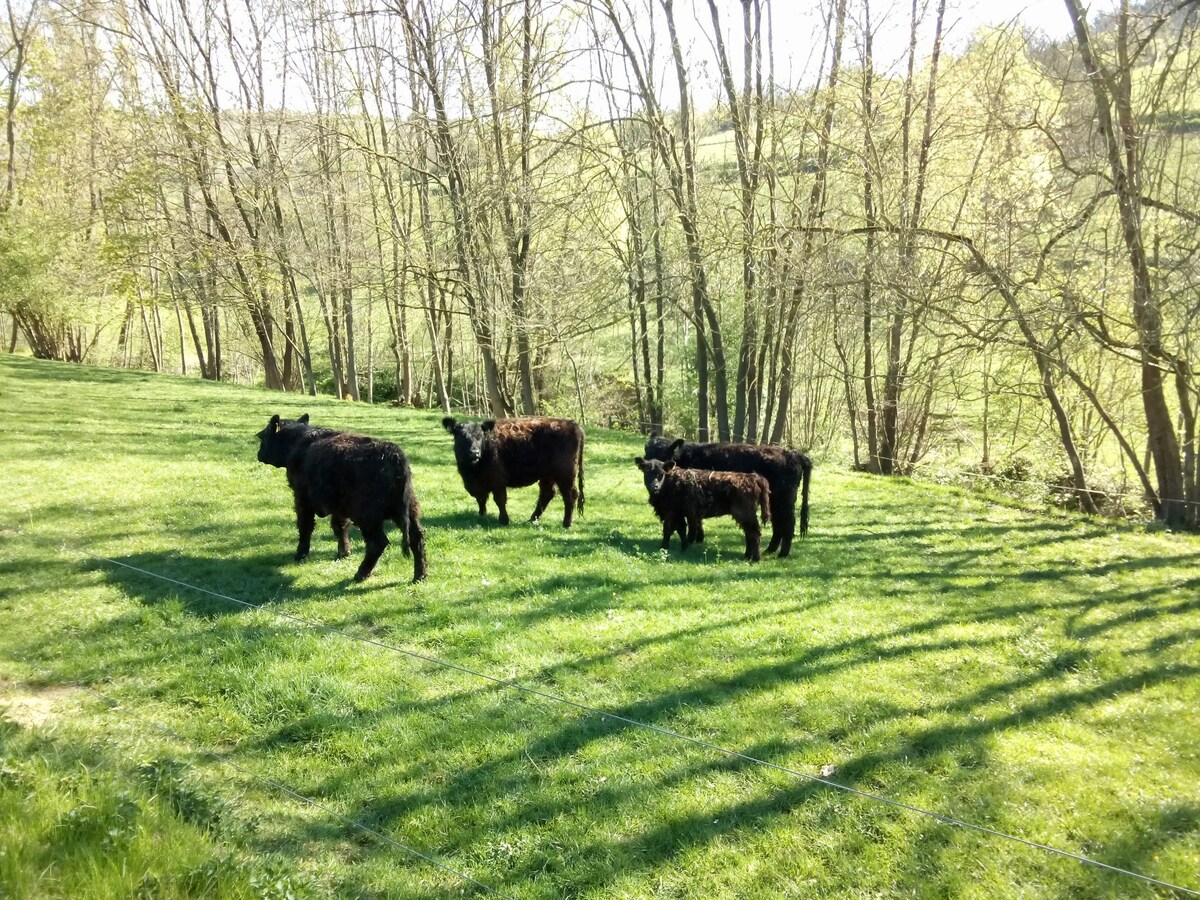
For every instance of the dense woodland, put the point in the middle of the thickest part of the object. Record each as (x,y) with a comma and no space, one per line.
(984,254)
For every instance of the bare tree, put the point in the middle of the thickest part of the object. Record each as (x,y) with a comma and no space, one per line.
(1117,122)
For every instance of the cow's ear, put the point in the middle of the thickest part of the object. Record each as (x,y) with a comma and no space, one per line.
(448,422)
(303,420)
(668,466)
(675,445)
(639,462)
(488,425)
(273,425)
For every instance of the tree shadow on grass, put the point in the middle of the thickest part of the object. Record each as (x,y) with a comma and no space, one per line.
(966,742)
(1146,613)
(594,864)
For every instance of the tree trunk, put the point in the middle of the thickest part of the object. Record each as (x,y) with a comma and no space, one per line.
(1113,89)
(746,113)
(868,102)
(803,220)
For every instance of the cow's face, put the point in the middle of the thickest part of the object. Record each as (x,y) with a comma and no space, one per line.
(654,473)
(660,448)
(469,438)
(273,445)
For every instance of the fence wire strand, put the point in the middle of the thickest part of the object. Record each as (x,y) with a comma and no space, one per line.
(616,717)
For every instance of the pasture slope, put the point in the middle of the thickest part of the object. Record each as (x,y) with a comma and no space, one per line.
(1034,674)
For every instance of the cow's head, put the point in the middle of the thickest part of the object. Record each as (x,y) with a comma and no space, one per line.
(273,441)
(469,439)
(662,448)
(654,473)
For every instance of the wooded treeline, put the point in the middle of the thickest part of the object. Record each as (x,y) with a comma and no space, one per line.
(527,206)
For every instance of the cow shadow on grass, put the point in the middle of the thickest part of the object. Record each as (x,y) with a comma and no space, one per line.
(209,587)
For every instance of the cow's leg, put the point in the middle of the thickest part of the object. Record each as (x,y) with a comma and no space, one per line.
(784,529)
(570,495)
(753,538)
(682,526)
(668,529)
(777,523)
(341,532)
(545,495)
(376,542)
(482,501)
(501,495)
(306,521)
(696,531)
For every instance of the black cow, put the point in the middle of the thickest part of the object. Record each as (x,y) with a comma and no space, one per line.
(684,498)
(496,455)
(350,478)
(785,470)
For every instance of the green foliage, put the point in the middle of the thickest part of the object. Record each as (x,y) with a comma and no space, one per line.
(1032,673)
(25,260)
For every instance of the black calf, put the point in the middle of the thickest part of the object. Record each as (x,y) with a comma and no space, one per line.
(683,498)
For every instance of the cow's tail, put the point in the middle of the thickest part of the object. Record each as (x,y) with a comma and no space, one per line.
(581,471)
(405,523)
(806,468)
(407,512)
(403,498)
(764,500)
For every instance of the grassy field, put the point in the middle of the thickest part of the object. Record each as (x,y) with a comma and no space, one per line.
(1033,674)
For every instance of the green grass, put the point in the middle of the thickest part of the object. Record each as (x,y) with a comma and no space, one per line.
(1037,675)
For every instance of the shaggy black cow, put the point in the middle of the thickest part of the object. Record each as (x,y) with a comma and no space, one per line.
(785,470)
(683,498)
(496,455)
(350,478)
